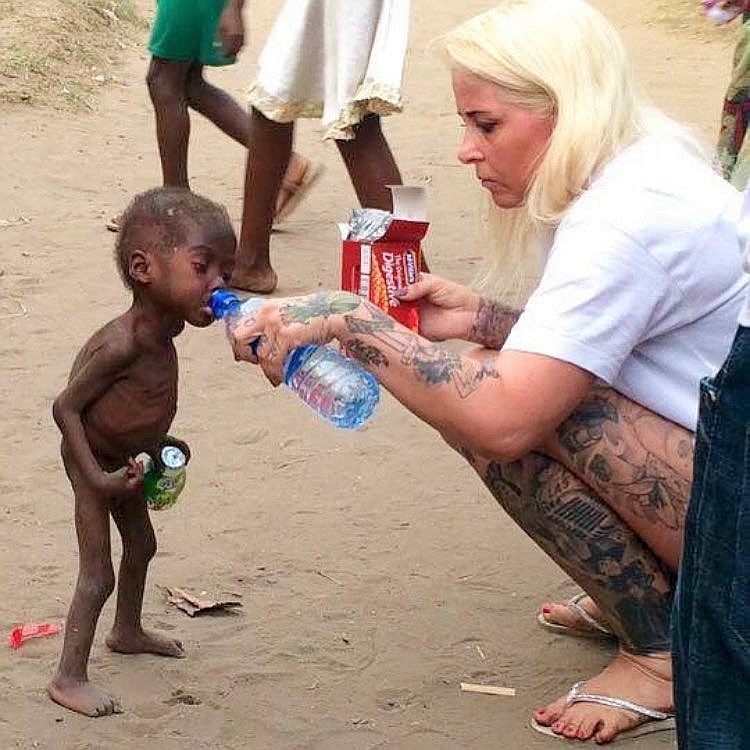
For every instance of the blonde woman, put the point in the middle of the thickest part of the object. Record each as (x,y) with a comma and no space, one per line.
(578,411)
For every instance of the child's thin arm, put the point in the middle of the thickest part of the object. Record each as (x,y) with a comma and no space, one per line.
(97,375)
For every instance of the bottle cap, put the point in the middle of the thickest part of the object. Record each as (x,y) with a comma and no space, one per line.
(172,457)
(222,302)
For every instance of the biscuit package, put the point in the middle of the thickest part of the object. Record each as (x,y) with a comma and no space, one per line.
(381,252)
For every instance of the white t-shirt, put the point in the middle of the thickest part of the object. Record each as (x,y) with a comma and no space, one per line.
(643,285)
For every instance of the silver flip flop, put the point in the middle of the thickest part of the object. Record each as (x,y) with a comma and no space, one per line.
(595,628)
(653,720)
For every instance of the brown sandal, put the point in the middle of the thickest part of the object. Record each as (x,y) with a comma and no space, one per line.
(299,178)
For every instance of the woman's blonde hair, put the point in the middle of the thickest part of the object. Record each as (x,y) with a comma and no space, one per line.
(562,58)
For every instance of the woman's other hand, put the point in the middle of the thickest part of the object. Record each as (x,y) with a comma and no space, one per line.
(446,309)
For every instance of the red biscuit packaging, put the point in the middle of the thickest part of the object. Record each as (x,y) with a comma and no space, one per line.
(381,253)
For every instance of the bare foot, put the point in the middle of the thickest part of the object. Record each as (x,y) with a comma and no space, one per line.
(261,281)
(145,642)
(82,696)
(568,614)
(645,680)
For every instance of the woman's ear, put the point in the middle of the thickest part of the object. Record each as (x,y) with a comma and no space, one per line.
(139,267)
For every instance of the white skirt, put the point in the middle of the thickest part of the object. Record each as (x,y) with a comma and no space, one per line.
(334,59)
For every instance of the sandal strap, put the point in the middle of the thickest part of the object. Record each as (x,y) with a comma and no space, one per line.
(582,614)
(290,186)
(576,696)
(293,185)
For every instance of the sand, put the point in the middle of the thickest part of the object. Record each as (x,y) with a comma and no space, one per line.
(376,572)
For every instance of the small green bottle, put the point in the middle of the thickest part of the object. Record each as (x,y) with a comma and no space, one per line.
(164,479)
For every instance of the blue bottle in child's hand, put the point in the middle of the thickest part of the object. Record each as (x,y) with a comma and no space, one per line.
(334,386)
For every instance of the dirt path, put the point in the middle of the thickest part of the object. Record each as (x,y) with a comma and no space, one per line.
(376,572)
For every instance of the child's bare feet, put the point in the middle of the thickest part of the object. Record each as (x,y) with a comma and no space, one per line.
(82,696)
(644,680)
(144,642)
(260,281)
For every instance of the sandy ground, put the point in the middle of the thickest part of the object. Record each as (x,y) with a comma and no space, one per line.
(376,572)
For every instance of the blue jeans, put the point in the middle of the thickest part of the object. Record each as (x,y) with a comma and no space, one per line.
(711,622)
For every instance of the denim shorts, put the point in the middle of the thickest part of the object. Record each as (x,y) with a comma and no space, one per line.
(711,622)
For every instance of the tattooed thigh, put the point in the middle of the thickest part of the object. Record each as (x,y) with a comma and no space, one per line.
(591,543)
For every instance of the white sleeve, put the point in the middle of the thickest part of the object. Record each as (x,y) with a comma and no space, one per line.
(595,302)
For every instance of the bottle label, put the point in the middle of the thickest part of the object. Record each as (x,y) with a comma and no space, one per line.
(163,488)
(164,481)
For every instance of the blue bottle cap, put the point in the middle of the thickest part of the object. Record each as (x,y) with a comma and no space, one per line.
(223,302)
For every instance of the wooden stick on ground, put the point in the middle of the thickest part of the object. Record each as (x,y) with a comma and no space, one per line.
(470,687)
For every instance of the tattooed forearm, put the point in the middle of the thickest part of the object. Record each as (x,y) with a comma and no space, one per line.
(492,324)
(323,304)
(366,354)
(380,322)
(432,364)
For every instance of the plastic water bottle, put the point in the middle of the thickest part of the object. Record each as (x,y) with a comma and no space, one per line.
(335,387)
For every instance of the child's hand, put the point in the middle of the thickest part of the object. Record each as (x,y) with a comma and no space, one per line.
(123,481)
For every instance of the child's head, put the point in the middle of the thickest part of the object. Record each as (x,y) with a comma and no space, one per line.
(175,247)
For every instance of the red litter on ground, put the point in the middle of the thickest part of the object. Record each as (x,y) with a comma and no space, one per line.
(22,633)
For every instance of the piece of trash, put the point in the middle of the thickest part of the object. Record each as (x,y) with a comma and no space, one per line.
(14,222)
(480,652)
(24,632)
(470,687)
(329,578)
(11,308)
(193,604)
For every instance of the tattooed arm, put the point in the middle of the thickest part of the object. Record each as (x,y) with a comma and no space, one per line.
(500,406)
(492,324)
(451,311)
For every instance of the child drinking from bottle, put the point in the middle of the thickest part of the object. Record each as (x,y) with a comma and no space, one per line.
(173,250)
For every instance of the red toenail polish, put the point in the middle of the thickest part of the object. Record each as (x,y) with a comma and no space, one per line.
(546,608)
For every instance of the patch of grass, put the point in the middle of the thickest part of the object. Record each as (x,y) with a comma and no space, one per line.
(55,53)
(121,10)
